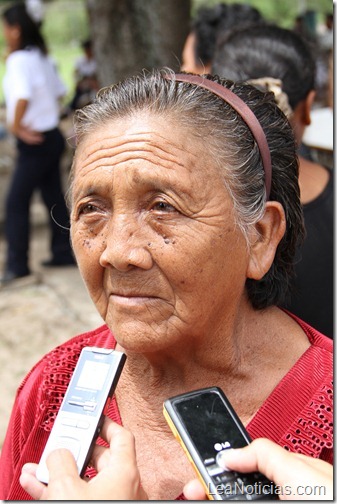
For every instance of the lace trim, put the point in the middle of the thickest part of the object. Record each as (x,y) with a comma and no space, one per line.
(313,432)
(60,364)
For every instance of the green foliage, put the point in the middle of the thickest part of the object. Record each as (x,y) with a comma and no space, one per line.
(65,22)
(281,12)
(65,27)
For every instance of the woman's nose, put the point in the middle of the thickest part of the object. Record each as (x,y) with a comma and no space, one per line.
(125,246)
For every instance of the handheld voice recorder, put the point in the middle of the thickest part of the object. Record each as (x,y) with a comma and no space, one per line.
(81,415)
(205,424)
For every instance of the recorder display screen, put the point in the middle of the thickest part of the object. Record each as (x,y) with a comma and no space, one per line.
(93,375)
(88,384)
(209,424)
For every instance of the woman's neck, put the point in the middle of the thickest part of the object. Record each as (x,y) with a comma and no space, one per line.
(191,361)
(148,379)
(237,363)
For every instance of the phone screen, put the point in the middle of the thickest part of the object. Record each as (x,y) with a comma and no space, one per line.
(209,424)
(88,385)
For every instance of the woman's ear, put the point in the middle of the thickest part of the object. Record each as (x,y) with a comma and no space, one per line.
(269,232)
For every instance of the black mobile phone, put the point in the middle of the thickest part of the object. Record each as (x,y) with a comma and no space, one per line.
(81,415)
(205,424)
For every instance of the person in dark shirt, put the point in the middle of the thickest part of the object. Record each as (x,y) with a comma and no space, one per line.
(279,60)
(207,25)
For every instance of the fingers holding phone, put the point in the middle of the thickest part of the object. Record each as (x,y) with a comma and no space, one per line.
(118,477)
(64,482)
(298,477)
(116,465)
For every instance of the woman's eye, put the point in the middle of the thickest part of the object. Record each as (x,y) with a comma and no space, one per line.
(87,209)
(162,206)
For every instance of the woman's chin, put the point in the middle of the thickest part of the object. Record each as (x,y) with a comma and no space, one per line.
(137,337)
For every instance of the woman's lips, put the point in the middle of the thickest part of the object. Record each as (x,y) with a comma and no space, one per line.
(132,299)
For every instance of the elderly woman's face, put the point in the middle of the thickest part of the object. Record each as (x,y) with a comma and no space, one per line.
(154,233)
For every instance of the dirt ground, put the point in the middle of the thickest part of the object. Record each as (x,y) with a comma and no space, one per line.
(37,317)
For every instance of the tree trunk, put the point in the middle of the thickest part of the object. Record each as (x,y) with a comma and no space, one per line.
(131,35)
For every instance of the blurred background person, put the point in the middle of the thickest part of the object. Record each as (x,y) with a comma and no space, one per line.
(325,61)
(280,60)
(35,9)
(32,90)
(85,78)
(207,26)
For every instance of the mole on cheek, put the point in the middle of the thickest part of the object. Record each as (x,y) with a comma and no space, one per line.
(168,240)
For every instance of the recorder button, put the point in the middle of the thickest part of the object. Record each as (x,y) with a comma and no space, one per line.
(82,424)
(71,444)
(69,422)
(89,406)
(76,403)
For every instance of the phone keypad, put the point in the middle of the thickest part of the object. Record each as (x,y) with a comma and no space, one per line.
(233,485)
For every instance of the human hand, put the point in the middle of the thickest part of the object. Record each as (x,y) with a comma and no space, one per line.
(117,479)
(297,476)
(28,136)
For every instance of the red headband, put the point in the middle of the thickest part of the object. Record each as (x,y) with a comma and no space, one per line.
(243,110)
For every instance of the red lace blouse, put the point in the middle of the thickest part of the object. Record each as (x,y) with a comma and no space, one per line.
(297,415)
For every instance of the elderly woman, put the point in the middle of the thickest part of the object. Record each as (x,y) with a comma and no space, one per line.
(185,217)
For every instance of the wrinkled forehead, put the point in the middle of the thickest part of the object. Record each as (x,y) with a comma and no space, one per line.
(150,149)
(140,135)
(144,154)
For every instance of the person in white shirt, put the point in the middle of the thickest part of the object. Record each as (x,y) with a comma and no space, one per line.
(32,91)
